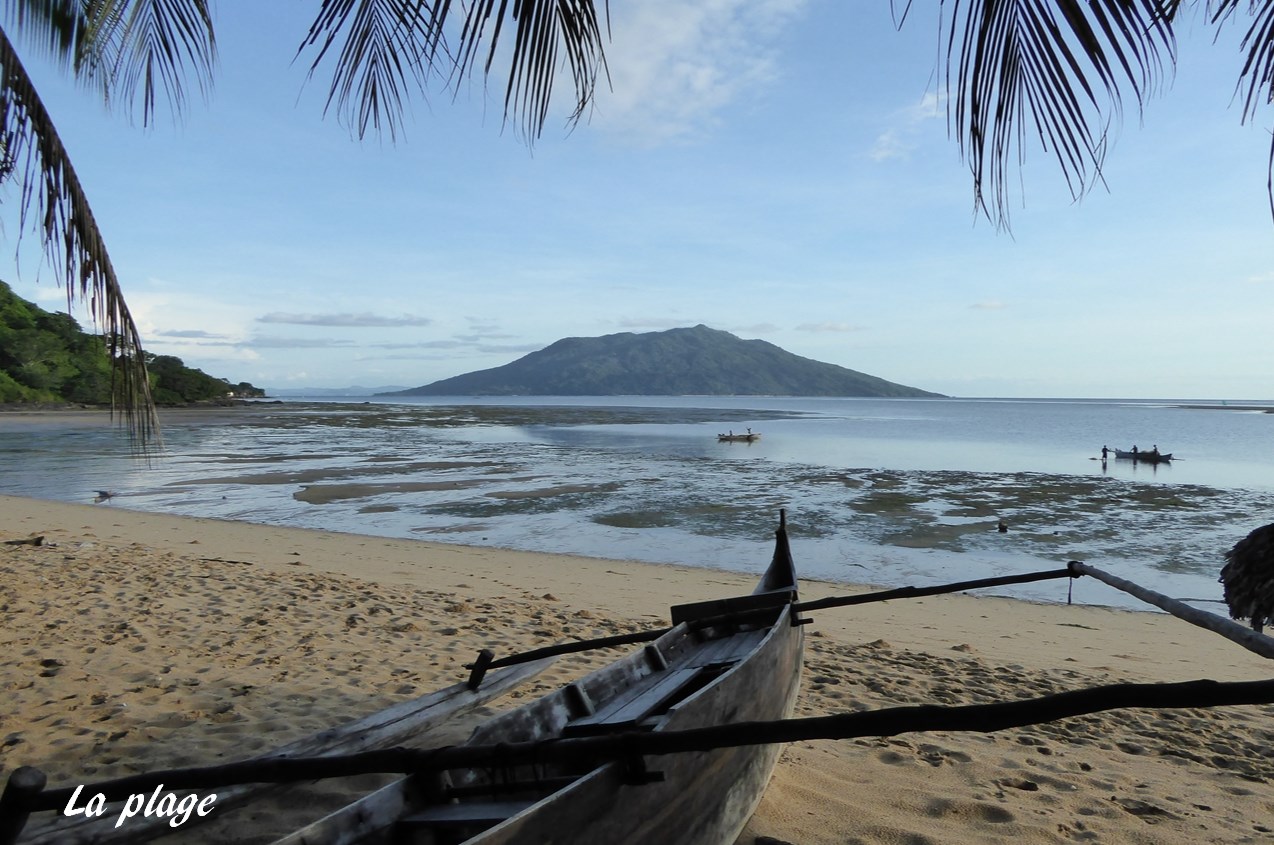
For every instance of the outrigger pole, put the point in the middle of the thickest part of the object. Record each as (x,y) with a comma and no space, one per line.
(487,661)
(25,792)
(1249,639)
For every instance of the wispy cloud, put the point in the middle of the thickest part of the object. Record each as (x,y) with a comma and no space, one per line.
(989,305)
(267,342)
(510,348)
(828,326)
(754,328)
(674,64)
(423,344)
(902,136)
(344,320)
(460,343)
(654,323)
(478,337)
(190,334)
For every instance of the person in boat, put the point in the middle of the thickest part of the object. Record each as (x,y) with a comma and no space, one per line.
(1134,450)
(1155,451)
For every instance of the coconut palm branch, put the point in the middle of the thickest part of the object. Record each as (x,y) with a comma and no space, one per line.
(1256,82)
(126,49)
(388,46)
(1051,71)
(53,202)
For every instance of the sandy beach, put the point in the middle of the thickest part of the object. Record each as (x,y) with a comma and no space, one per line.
(135,641)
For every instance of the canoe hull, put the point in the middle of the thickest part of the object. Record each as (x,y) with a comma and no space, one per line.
(724,661)
(1147,457)
(705,798)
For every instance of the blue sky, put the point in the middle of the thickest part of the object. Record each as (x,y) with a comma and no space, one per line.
(780,169)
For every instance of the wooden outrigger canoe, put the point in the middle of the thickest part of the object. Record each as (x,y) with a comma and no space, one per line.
(723,661)
(738,438)
(1149,457)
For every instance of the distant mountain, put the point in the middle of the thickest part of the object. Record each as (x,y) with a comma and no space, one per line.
(678,362)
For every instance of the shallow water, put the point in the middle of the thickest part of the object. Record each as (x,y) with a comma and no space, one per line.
(889,492)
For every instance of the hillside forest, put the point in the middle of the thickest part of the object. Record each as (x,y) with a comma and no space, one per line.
(45,357)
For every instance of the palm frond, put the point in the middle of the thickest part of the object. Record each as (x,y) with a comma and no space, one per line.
(1058,69)
(133,49)
(391,45)
(1256,82)
(56,27)
(382,51)
(52,202)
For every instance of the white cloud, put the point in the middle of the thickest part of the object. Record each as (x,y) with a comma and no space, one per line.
(673,65)
(989,305)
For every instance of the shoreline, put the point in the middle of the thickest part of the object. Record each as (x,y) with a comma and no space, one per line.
(136,641)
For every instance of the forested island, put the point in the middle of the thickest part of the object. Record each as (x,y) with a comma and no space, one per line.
(46,358)
(696,361)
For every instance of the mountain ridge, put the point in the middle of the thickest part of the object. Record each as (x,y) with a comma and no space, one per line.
(676,362)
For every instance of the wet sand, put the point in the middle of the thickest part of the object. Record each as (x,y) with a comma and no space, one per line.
(135,641)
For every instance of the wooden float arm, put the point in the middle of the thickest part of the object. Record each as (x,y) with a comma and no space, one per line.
(1233,631)
(983,718)
(920,592)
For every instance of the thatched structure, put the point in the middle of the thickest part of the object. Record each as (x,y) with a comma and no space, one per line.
(1248,576)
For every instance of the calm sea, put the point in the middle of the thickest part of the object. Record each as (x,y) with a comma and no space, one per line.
(879,491)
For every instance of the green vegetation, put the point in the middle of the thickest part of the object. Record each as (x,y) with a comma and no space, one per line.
(696,361)
(46,357)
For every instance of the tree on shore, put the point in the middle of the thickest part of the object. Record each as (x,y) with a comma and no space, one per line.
(1017,72)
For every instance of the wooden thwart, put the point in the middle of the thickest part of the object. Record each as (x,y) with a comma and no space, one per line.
(466,814)
(627,711)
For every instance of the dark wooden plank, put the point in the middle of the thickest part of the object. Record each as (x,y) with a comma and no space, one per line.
(636,704)
(729,649)
(716,608)
(376,812)
(465,814)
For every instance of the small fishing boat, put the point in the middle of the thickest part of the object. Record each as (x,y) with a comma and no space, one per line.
(723,661)
(738,438)
(1151,457)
